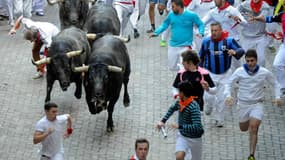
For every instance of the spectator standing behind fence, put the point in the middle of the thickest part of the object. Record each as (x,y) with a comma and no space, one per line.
(141,148)
(50,132)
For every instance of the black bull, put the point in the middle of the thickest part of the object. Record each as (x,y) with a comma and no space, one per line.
(102,19)
(72,12)
(60,64)
(108,68)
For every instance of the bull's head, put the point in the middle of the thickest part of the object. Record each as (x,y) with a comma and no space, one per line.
(60,65)
(98,80)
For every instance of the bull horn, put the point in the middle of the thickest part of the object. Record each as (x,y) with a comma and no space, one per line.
(51,2)
(81,69)
(45,60)
(91,36)
(126,40)
(73,53)
(115,69)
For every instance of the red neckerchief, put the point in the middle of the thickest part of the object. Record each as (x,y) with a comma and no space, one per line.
(224,35)
(226,5)
(184,104)
(186,2)
(256,6)
(38,39)
(133,157)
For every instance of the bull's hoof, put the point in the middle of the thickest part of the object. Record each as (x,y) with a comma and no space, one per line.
(92,110)
(126,104)
(77,95)
(110,129)
(126,101)
(99,109)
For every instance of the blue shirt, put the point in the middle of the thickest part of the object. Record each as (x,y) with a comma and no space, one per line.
(214,55)
(181,28)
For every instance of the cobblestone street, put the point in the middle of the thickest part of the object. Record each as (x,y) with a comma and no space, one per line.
(22,100)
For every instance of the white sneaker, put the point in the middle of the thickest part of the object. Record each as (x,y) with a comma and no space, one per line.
(38,75)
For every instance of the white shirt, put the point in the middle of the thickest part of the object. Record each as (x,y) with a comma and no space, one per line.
(214,15)
(251,87)
(53,143)
(256,28)
(200,7)
(47,30)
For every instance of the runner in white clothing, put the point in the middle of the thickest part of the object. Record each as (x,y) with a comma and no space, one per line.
(139,10)
(201,7)
(40,33)
(124,10)
(50,132)
(251,79)
(254,33)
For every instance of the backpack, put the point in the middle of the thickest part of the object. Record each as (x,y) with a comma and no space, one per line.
(200,69)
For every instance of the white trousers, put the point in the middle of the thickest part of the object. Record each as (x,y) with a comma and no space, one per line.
(191,146)
(173,55)
(8,5)
(124,12)
(272,27)
(217,101)
(165,34)
(139,10)
(23,7)
(259,44)
(279,65)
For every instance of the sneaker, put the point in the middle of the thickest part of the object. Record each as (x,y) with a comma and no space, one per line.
(208,110)
(160,12)
(40,13)
(150,30)
(162,43)
(136,33)
(251,157)
(219,124)
(38,75)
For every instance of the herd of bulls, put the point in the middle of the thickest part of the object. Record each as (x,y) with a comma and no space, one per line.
(88,50)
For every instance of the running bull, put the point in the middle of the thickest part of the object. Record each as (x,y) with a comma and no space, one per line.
(108,68)
(102,19)
(68,50)
(72,12)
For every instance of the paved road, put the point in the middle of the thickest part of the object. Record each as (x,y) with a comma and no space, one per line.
(22,99)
